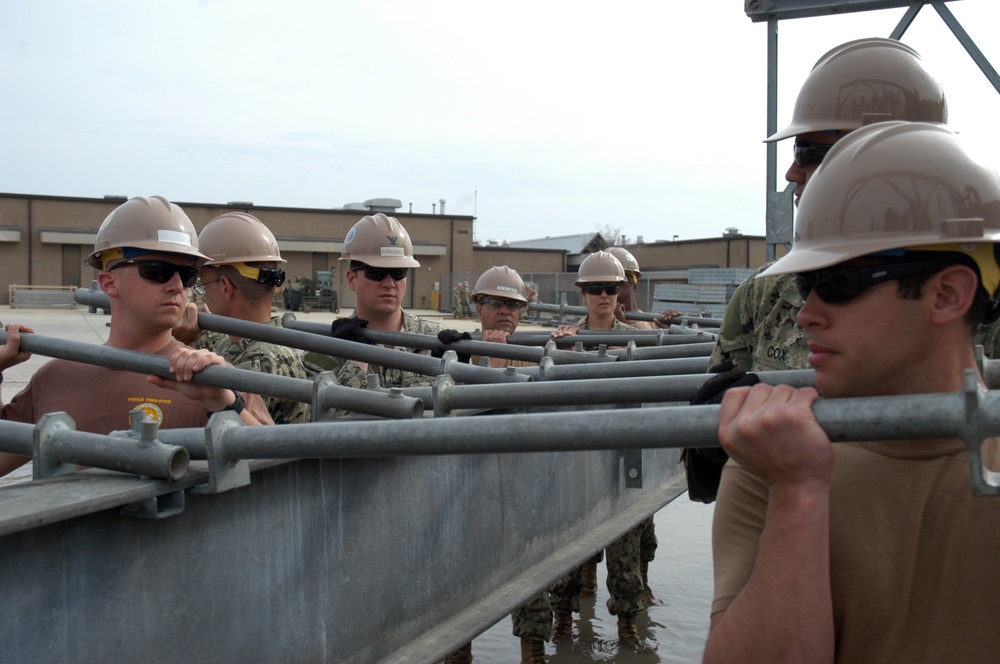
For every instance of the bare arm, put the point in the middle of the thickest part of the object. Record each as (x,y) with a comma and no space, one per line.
(785,610)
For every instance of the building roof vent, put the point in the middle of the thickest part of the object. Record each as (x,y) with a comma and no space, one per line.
(732,231)
(389,205)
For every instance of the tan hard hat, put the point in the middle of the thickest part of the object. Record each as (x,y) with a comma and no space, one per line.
(379,241)
(500,281)
(625,257)
(865,81)
(145,225)
(600,267)
(238,237)
(893,185)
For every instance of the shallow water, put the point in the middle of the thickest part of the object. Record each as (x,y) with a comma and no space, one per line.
(674,631)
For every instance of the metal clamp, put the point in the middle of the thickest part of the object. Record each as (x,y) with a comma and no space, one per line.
(156,507)
(985,482)
(43,463)
(440,393)
(224,474)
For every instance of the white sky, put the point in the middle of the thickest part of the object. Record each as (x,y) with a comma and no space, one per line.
(539,117)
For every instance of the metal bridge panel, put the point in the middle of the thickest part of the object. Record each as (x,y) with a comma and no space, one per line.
(341,560)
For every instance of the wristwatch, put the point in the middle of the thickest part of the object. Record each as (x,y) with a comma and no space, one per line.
(236,406)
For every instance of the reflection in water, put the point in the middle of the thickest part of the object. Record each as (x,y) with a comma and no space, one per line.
(674,631)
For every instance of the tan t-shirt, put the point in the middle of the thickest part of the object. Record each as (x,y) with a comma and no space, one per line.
(100,399)
(914,557)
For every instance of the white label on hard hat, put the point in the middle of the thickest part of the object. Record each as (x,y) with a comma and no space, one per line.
(174,237)
(507,288)
(393,251)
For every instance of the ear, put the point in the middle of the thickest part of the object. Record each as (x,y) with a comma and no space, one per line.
(228,290)
(950,293)
(351,276)
(479,311)
(108,283)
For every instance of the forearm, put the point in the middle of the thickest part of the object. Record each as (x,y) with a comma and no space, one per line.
(785,610)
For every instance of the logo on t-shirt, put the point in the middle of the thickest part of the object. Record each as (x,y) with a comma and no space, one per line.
(150,412)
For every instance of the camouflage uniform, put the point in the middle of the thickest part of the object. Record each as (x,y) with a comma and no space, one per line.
(351,375)
(533,619)
(466,301)
(457,301)
(624,576)
(988,336)
(265,358)
(760,330)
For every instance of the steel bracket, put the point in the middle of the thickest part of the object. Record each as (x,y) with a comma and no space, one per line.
(156,507)
(44,464)
(545,367)
(630,350)
(440,393)
(632,461)
(224,474)
(985,482)
(320,403)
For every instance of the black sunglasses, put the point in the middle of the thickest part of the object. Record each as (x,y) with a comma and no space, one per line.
(842,284)
(160,272)
(380,273)
(806,153)
(597,289)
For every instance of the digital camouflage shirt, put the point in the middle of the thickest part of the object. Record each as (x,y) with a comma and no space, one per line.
(350,375)
(760,330)
(264,358)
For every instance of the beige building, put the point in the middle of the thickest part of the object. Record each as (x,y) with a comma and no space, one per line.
(45,239)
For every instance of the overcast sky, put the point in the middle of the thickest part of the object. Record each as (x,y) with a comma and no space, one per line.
(540,118)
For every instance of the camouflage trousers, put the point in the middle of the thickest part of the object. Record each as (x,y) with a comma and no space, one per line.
(624,578)
(533,619)
(647,543)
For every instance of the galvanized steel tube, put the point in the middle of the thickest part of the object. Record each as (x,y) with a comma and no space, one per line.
(467,347)
(634,354)
(16,437)
(631,315)
(167,462)
(443,398)
(670,367)
(923,416)
(283,387)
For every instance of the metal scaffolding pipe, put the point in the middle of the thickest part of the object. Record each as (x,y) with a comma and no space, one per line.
(57,447)
(633,354)
(467,347)
(675,337)
(282,387)
(445,397)
(670,367)
(160,461)
(16,437)
(919,416)
(631,315)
